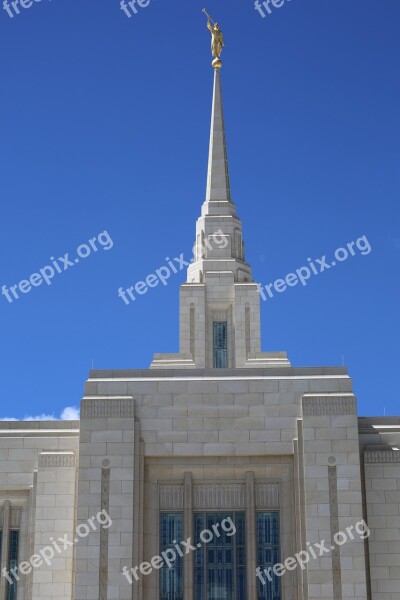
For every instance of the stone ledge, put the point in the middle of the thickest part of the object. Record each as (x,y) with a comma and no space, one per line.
(294,372)
(267,360)
(39,426)
(172,361)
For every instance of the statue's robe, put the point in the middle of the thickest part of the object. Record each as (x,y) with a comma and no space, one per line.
(217,41)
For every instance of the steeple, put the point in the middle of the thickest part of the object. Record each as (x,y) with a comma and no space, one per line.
(219,303)
(218,185)
(219,244)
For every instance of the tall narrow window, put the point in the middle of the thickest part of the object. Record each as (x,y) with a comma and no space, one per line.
(220,560)
(171,579)
(12,563)
(220,341)
(268,554)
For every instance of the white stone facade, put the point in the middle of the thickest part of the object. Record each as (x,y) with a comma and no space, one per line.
(190,440)
(184,437)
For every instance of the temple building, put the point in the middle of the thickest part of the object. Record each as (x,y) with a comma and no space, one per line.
(271,460)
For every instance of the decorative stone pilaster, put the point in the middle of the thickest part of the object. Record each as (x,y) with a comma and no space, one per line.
(332,485)
(107,433)
(251,536)
(334,514)
(55,518)
(105,506)
(382,485)
(5,520)
(188,564)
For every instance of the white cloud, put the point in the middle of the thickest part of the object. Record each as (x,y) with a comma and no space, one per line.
(41,417)
(70,413)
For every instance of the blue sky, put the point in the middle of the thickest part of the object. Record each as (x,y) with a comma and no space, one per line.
(104,126)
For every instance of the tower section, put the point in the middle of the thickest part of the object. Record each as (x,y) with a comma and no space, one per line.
(219,302)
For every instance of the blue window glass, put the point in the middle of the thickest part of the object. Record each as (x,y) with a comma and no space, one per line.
(268,554)
(171,579)
(220,564)
(220,341)
(13,562)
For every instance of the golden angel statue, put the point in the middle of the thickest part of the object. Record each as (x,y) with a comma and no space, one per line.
(217,38)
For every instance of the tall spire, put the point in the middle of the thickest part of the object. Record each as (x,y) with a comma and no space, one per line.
(218,217)
(218,186)
(219,302)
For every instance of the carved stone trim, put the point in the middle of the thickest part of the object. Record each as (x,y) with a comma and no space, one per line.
(265,460)
(334,523)
(247,330)
(219,495)
(381,457)
(268,495)
(319,406)
(220,316)
(53,460)
(119,408)
(171,496)
(192,331)
(15,518)
(105,506)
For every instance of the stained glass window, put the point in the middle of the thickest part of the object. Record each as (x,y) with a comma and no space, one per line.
(220,337)
(171,579)
(13,562)
(220,564)
(268,555)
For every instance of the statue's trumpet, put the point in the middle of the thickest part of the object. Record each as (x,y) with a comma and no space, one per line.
(207,15)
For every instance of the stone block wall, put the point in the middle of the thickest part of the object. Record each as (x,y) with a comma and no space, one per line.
(330,497)
(382,482)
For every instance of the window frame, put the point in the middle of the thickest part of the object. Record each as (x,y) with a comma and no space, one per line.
(163,547)
(216,348)
(12,562)
(262,565)
(221,516)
